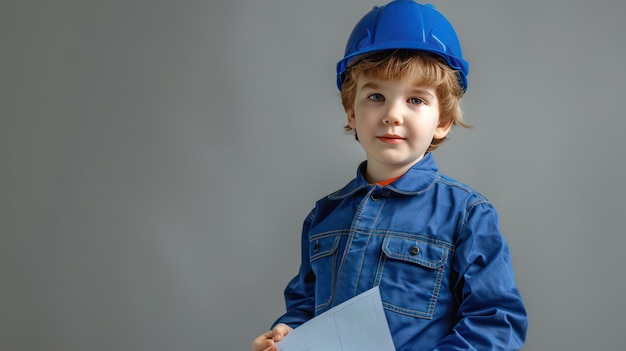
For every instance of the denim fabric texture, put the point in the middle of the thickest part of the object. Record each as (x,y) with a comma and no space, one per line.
(433,246)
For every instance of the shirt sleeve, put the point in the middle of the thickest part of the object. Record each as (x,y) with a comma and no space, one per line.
(491,313)
(299,293)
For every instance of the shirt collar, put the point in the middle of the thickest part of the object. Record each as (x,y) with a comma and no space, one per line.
(416,180)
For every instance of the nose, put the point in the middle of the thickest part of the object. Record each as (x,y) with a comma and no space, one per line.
(393,116)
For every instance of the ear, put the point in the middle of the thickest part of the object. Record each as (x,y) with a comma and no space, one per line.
(442,130)
(351,118)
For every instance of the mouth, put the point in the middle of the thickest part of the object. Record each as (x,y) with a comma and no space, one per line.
(391,138)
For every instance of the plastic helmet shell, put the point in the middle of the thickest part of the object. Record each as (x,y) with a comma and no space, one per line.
(405,24)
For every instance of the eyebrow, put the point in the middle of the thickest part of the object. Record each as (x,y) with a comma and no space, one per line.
(370,85)
(422,91)
(375,86)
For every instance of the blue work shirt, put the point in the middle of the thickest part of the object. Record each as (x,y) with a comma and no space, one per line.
(434,248)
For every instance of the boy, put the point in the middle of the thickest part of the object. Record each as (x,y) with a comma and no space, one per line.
(431,244)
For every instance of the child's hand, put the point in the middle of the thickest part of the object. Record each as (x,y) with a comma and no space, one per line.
(265,341)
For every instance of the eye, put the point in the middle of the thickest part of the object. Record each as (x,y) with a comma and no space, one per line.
(376,97)
(415,101)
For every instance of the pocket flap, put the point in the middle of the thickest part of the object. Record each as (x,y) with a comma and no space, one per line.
(418,251)
(323,246)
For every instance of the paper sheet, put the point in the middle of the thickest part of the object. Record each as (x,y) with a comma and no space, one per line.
(358,324)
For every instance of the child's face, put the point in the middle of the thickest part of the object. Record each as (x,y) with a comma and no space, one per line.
(395,122)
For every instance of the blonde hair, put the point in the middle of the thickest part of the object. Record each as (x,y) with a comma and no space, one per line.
(428,69)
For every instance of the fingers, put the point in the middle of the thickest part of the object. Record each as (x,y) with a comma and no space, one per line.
(267,340)
(264,343)
(280,331)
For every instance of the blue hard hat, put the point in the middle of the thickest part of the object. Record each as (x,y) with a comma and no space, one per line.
(405,24)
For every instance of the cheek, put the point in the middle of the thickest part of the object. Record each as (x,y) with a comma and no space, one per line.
(423,131)
(365,114)
(364,123)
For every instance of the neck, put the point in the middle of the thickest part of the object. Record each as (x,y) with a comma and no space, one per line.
(376,173)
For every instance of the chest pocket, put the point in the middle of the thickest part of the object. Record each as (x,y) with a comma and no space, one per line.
(323,252)
(411,274)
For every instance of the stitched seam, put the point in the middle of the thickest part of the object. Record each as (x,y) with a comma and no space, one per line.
(437,289)
(357,216)
(468,210)
(407,311)
(328,252)
(369,237)
(332,286)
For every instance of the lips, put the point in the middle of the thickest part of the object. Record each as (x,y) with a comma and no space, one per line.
(391,138)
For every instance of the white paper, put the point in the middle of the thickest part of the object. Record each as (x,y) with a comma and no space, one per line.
(358,324)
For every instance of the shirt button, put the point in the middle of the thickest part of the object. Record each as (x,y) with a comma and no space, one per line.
(316,248)
(414,250)
(374,197)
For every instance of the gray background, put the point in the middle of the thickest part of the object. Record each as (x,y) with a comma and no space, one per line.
(158,158)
